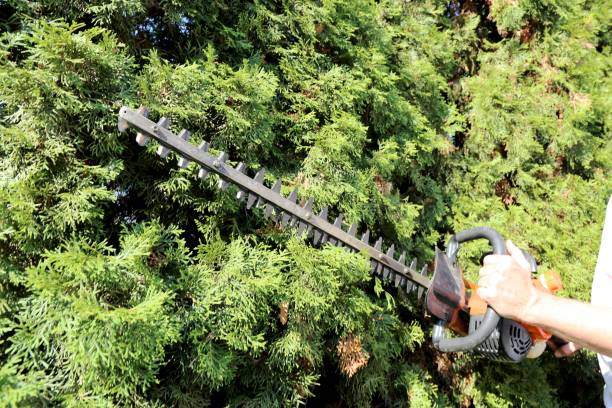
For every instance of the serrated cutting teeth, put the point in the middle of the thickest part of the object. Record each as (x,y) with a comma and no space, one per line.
(287,219)
(141,139)
(365,238)
(304,226)
(338,221)
(223,184)
(421,288)
(251,200)
(162,151)
(220,161)
(319,237)
(324,213)
(259,177)
(276,187)
(337,224)
(241,167)
(352,230)
(378,244)
(182,162)
(255,193)
(398,280)
(203,173)
(409,286)
(391,251)
(293,195)
(308,205)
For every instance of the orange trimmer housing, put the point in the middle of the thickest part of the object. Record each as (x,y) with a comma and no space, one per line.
(549,281)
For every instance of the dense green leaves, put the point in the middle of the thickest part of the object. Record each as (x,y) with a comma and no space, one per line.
(127,282)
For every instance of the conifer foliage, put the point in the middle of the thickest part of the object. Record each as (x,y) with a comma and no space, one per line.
(126,281)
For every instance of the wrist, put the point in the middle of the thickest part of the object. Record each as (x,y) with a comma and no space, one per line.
(535,306)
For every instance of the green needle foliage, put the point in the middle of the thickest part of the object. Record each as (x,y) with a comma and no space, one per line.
(125,281)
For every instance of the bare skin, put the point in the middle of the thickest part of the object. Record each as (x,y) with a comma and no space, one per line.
(505,284)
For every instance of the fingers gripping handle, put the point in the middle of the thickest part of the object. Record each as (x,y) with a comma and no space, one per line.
(491,318)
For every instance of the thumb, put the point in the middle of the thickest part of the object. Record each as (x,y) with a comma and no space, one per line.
(516,254)
(486,294)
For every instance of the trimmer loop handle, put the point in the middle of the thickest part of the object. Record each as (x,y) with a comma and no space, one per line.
(491,318)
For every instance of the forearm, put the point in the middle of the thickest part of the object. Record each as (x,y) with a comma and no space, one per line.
(582,323)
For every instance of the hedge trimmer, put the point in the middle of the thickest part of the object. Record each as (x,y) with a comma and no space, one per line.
(449,297)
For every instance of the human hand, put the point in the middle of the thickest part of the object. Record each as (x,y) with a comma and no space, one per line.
(566,350)
(505,283)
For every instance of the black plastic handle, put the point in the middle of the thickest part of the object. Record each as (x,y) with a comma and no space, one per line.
(494,237)
(533,265)
(491,318)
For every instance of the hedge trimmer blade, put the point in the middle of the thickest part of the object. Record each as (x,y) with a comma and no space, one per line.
(286,209)
(448,297)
